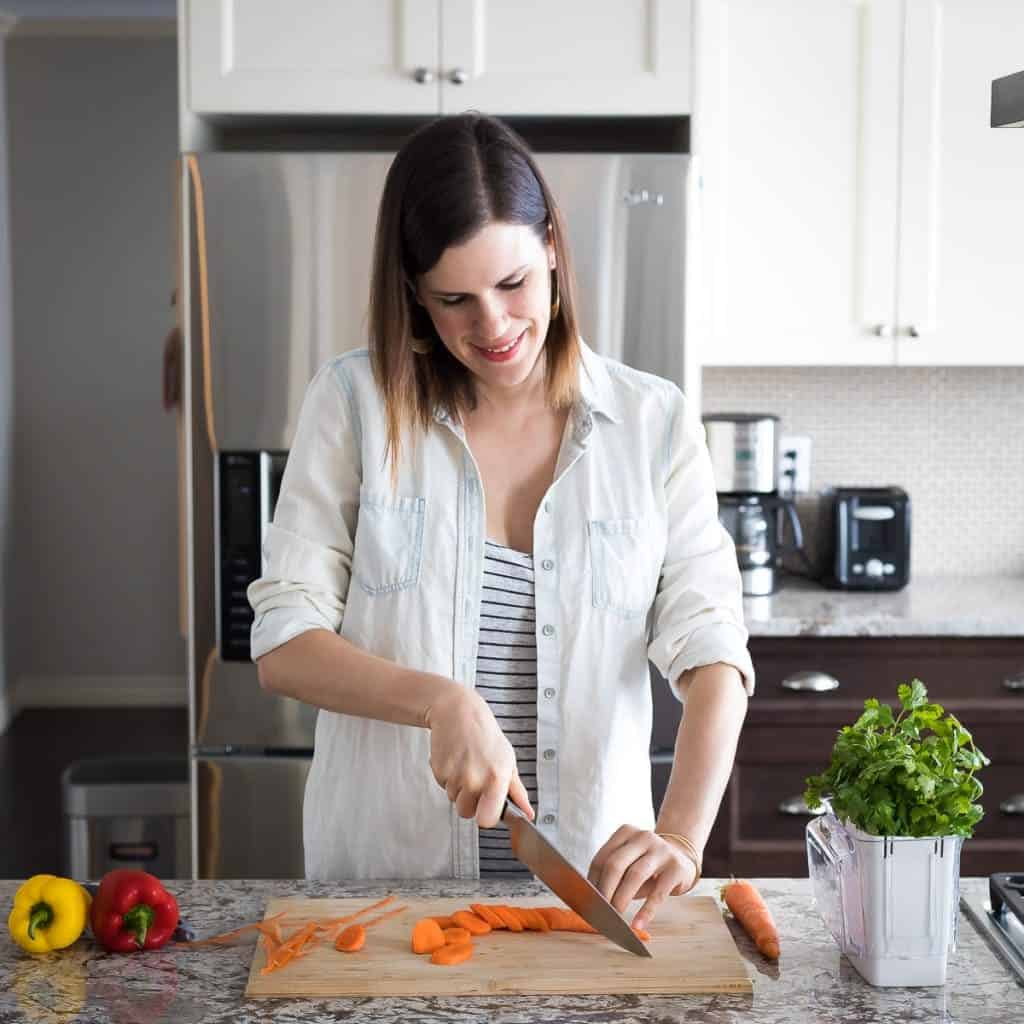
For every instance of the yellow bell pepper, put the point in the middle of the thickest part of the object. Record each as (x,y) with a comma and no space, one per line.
(48,913)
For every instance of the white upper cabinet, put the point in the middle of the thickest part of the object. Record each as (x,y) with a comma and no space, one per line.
(566,56)
(312,56)
(961,259)
(529,57)
(857,207)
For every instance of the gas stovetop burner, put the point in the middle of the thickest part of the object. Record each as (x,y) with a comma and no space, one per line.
(1000,918)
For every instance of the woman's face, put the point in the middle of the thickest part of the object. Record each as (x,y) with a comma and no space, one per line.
(490,301)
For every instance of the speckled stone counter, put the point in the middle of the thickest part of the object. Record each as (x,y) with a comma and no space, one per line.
(928,606)
(811,983)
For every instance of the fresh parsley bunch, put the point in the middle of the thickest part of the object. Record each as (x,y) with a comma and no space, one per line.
(910,774)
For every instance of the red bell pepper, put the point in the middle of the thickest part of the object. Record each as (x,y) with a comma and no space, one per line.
(132,911)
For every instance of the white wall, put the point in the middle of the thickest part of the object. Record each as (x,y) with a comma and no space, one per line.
(92,614)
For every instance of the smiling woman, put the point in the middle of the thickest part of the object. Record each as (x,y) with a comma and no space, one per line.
(470,268)
(526,524)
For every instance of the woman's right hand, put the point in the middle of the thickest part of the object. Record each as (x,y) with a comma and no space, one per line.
(471,757)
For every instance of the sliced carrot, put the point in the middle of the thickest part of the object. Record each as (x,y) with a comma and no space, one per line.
(444,922)
(455,935)
(353,938)
(533,919)
(454,954)
(749,908)
(427,936)
(473,924)
(562,919)
(642,935)
(550,914)
(488,914)
(510,918)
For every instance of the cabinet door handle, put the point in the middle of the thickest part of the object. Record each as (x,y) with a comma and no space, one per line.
(1013,804)
(908,331)
(796,807)
(662,756)
(1015,684)
(881,330)
(812,681)
(458,76)
(423,75)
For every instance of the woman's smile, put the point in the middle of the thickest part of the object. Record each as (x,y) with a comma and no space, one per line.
(502,351)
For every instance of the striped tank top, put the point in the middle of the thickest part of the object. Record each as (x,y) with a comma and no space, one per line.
(506,677)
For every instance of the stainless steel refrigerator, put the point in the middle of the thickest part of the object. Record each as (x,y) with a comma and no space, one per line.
(275,279)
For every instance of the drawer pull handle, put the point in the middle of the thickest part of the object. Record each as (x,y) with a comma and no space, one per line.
(796,807)
(810,682)
(662,756)
(1013,804)
(1015,684)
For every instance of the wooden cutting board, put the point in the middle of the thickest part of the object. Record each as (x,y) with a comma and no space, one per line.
(691,946)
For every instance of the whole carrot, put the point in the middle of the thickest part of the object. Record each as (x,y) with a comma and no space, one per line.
(749,908)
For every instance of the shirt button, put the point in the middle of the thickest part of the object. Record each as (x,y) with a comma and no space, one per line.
(547,507)
(549,819)
(547,564)
(549,754)
(548,630)
(549,692)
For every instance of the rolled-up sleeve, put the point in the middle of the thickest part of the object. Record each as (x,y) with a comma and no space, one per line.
(698,610)
(307,551)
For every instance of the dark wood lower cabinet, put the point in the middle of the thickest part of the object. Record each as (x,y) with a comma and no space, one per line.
(790,731)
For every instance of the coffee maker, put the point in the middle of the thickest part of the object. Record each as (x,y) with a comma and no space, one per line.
(744,457)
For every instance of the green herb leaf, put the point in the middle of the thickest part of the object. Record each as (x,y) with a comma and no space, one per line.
(909,774)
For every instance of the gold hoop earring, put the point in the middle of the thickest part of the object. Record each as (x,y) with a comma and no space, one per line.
(556,302)
(421,348)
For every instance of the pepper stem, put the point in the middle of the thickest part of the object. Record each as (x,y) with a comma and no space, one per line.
(40,916)
(139,920)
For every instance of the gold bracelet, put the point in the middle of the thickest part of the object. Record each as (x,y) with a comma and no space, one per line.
(688,848)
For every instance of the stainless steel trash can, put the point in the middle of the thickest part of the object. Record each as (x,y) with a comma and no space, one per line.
(127,812)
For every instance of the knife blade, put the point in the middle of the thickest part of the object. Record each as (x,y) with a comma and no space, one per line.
(574,889)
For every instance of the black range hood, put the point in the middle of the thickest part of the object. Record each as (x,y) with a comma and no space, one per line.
(1008,101)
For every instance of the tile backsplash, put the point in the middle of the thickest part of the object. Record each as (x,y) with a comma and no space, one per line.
(952,438)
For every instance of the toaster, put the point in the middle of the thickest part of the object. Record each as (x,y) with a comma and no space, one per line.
(869,529)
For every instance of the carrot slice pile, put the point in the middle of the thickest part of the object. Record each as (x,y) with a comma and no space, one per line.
(482,918)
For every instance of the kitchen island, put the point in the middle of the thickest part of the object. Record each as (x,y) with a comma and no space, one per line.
(812,982)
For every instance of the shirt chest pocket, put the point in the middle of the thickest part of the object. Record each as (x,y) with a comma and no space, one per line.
(619,556)
(389,542)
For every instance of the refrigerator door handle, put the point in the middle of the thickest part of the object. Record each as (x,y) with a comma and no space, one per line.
(204,298)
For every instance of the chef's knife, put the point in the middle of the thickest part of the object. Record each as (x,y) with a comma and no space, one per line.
(575,890)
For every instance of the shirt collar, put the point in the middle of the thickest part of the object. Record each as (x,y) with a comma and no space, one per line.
(596,392)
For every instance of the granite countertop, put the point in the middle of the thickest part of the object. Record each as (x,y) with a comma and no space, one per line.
(990,606)
(812,982)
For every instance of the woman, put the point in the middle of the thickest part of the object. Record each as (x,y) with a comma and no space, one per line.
(484,531)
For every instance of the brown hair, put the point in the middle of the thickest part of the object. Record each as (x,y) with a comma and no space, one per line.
(450,179)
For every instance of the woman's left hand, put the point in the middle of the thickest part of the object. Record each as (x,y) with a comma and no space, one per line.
(635,864)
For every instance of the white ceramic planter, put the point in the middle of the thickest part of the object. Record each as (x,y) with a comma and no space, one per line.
(890,902)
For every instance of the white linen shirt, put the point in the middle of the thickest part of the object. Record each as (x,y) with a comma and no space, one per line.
(632,563)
